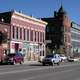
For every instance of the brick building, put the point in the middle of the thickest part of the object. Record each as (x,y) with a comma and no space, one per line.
(24,32)
(58,32)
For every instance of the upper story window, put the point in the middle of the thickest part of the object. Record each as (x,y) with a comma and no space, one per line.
(20,33)
(35,36)
(17,33)
(31,35)
(13,30)
(24,31)
(28,34)
(38,37)
(43,36)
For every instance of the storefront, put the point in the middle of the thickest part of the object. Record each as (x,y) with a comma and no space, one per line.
(15,46)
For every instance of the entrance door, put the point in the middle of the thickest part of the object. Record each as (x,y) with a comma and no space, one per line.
(16,47)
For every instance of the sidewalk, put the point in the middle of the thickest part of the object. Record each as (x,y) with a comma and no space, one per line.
(31,62)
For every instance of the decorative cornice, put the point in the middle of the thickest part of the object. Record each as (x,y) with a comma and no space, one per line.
(27,18)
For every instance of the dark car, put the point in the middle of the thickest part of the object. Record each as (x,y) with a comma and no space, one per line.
(7,62)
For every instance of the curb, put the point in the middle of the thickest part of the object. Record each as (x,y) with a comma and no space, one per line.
(30,62)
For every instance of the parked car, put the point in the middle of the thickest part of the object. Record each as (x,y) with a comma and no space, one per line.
(41,58)
(6,61)
(63,57)
(72,59)
(51,59)
(16,58)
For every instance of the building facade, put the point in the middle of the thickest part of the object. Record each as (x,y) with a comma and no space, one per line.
(25,33)
(58,31)
(75,39)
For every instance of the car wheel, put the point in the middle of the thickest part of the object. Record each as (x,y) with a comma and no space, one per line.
(20,62)
(58,63)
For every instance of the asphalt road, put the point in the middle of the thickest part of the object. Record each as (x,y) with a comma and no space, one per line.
(69,71)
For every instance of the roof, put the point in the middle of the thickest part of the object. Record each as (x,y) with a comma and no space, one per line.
(7,17)
(61,10)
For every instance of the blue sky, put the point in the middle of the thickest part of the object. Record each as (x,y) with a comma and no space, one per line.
(43,8)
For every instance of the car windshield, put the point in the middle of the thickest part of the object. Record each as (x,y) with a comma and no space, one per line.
(49,56)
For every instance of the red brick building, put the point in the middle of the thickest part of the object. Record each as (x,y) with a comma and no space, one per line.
(58,32)
(24,32)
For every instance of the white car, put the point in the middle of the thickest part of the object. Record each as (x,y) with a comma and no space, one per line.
(41,58)
(51,59)
(63,57)
(73,59)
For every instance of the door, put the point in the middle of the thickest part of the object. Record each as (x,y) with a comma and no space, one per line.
(16,47)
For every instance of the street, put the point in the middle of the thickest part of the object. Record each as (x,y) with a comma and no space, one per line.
(65,71)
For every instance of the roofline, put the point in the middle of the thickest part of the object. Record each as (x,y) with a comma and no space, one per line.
(75,23)
(5,23)
(28,17)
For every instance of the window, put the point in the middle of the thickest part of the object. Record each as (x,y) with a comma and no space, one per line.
(24,33)
(31,35)
(17,32)
(43,36)
(38,36)
(13,30)
(35,36)
(20,33)
(28,34)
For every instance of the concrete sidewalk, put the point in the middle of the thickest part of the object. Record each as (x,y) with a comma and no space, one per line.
(31,62)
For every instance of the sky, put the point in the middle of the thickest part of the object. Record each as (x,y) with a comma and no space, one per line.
(43,8)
